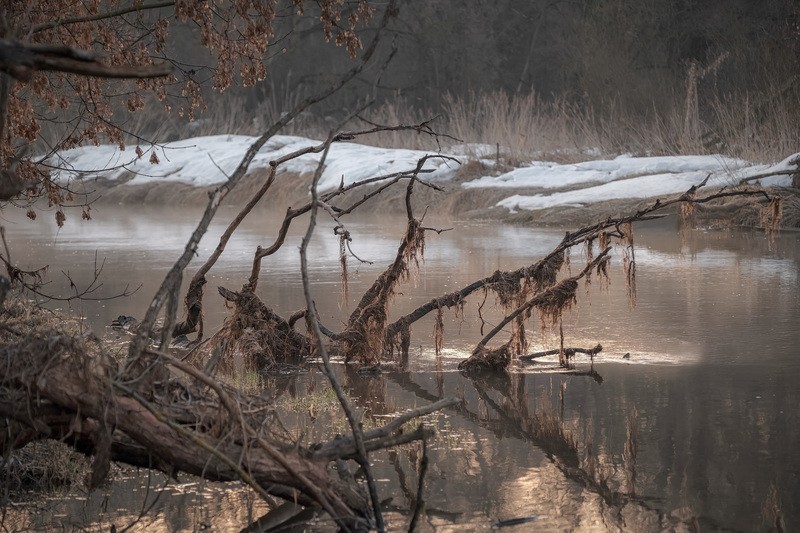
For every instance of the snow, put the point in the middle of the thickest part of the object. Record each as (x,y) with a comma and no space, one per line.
(204,161)
(546,175)
(627,178)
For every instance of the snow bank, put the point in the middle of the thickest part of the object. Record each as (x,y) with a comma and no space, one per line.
(204,161)
(628,178)
(546,175)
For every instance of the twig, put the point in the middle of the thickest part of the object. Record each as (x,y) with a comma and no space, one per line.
(419,502)
(355,423)
(20,60)
(135,8)
(756,177)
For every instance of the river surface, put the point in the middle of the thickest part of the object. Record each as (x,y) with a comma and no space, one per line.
(697,428)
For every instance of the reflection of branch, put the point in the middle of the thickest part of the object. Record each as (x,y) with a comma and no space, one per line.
(33,280)
(419,502)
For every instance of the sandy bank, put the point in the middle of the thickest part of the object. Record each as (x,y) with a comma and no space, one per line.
(291,189)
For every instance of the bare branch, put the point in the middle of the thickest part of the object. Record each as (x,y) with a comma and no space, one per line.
(21,60)
(137,7)
(222,191)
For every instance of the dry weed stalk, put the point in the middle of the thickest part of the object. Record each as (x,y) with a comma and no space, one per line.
(771,216)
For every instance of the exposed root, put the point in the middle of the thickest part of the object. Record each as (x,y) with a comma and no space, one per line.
(253,334)
(486,360)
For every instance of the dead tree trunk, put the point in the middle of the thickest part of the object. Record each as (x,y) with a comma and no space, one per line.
(64,387)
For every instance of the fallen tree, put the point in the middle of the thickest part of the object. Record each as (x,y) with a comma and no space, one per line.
(62,386)
(156,411)
(152,410)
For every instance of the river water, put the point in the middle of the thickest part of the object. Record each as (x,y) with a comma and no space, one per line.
(697,427)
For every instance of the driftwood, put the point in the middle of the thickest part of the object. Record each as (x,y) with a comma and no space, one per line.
(568,352)
(59,386)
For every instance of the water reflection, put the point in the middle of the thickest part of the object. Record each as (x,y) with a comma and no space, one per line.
(555,449)
(710,388)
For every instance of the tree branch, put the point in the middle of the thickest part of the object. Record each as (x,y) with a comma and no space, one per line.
(135,8)
(21,60)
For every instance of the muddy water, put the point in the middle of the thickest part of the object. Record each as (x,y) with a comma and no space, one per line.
(699,426)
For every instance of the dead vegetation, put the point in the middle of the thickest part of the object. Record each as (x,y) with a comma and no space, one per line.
(151,409)
(154,410)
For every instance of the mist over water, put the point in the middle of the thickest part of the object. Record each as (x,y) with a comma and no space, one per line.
(711,384)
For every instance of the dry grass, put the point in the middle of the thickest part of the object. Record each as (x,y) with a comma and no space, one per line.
(46,465)
(761,126)
(43,466)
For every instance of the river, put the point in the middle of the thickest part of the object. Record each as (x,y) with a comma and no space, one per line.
(697,427)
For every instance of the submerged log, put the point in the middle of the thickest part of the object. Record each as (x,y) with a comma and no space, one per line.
(569,353)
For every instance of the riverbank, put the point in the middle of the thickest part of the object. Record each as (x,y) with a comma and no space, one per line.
(475,182)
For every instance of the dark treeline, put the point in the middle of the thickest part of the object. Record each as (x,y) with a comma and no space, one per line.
(630,53)
(702,75)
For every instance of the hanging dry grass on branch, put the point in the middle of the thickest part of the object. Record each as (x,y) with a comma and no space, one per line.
(438,332)
(589,252)
(629,262)
(343,263)
(518,342)
(545,272)
(364,339)
(771,216)
(553,303)
(508,289)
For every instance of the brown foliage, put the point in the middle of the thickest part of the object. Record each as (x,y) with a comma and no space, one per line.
(238,34)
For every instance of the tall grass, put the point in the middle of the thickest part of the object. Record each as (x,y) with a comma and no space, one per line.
(760,127)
